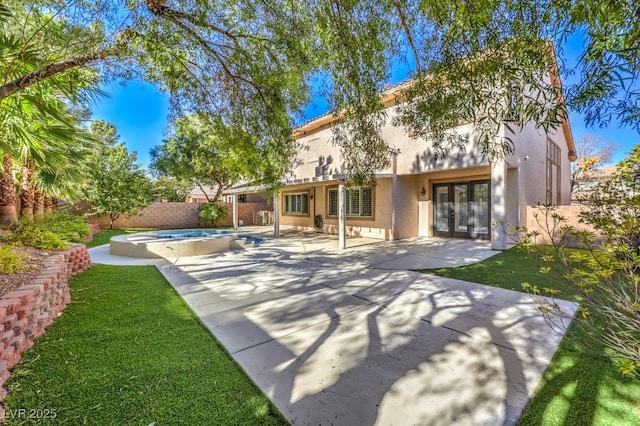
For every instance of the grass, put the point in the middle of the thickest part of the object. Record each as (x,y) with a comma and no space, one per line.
(509,270)
(128,350)
(580,387)
(104,236)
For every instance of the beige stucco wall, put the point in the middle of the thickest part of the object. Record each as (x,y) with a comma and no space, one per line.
(527,179)
(417,156)
(531,157)
(405,203)
(319,157)
(518,182)
(397,212)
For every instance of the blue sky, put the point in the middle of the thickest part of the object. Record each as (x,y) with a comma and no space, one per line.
(139,111)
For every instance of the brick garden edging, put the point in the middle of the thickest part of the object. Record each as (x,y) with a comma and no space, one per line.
(25,313)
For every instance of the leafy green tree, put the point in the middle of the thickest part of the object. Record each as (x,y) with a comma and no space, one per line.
(34,42)
(118,185)
(490,63)
(44,153)
(170,189)
(204,151)
(614,206)
(243,61)
(606,275)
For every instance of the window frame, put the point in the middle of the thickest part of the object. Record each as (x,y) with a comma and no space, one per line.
(553,167)
(291,212)
(514,102)
(358,215)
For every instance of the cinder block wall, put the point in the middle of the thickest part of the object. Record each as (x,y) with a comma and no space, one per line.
(157,215)
(25,313)
(165,215)
(543,225)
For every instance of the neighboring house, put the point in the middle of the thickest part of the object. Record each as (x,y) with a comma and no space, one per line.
(250,206)
(246,204)
(197,194)
(460,196)
(590,181)
(244,193)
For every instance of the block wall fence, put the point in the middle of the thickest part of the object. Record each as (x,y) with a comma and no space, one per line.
(167,215)
(570,213)
(26,312)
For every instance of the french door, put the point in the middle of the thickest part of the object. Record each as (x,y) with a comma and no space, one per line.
(462,209)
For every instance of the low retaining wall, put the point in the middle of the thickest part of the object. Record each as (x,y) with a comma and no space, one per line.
(25,313)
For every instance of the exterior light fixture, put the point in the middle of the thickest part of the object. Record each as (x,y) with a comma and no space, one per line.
(423,192)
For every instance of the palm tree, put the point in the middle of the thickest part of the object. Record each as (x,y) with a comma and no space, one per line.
(49,150)
(38,204)
(27,191)
(7,191)
(39,126)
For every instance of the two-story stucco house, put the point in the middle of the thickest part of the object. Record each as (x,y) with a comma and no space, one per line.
(461,196)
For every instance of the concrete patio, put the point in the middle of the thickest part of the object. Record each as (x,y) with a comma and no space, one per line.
(346,337)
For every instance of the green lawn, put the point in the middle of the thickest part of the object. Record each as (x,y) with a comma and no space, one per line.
(579,387)
(104,236)
(128,350)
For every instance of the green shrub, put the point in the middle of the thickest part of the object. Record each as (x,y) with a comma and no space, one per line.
(68,227)
(211,213)
(34,234)
(51,232)
(10,261)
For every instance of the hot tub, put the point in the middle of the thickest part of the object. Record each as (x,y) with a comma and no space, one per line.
(173,243)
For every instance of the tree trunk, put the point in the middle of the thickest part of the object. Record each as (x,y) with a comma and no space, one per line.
(112,218)
(38,205)
(48,205)
(50,70)
(54,204)
(27,193)
(7,192)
